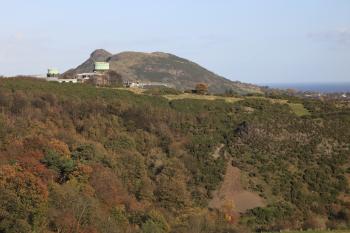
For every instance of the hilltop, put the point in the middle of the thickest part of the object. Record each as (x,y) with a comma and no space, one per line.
(182,74)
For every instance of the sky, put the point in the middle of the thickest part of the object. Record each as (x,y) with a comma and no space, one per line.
(255,41)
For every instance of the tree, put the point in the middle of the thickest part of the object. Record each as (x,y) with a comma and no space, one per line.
(19,103)
(60,163)
(155,223)
(23,200)
(71,207)
(201,88)
(171,190)
(114,78)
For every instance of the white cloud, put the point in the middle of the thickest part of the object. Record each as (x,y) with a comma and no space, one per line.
(340,36)
(343,35)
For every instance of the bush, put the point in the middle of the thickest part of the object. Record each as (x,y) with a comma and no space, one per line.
(162,91)
(155,223)
(121,142)
(60,163)
(85,152)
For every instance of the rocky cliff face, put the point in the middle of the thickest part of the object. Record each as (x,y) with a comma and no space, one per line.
(180,73)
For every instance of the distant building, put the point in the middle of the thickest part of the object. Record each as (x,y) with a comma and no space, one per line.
(61,80)
(101,66)
(100,80)
(137,84)
(85,77)
(71,80)
(52,73)
(130,84)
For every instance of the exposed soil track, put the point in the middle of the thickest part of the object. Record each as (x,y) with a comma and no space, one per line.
(232,195)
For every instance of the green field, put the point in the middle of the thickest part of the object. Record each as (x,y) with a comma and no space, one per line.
(321,231)
(299,109)
(202,97)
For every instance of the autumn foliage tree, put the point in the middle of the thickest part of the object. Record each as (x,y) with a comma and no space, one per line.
(201,88)
(23,200)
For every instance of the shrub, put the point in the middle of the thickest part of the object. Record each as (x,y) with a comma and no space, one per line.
(162,91)
(61,164)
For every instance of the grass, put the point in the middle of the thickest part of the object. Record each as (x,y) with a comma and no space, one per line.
(138,91)
(319,231)
(201,97)
(299,109)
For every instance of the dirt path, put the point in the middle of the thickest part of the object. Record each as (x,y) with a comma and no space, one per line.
(216,153)
(232,197)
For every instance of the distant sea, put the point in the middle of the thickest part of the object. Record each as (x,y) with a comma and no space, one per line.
(315,87)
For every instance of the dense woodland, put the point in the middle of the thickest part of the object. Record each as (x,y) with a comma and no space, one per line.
(75,158)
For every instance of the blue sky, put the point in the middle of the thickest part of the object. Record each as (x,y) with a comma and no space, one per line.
(257,41)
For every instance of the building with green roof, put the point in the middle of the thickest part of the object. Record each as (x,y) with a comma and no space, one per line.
(51,73)
(101,66)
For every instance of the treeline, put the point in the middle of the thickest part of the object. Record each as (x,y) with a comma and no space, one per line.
(75,158)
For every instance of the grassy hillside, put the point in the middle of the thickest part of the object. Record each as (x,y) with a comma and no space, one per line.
(75,158)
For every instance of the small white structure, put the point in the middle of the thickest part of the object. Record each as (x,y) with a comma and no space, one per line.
(71,80)
(83,77)
(138,84)
(135,85)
